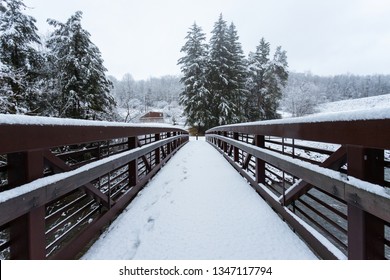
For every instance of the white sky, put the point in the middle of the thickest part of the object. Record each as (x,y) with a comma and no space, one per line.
(144,37)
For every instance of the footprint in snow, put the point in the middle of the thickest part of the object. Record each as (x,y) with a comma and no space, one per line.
(150,224)
(167,193)
(134,246)
(136,243)
(147,207)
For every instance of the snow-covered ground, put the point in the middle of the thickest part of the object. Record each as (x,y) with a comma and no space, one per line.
(379,101)
(330,108)
(198,207)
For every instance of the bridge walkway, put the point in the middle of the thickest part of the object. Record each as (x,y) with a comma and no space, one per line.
(198,209)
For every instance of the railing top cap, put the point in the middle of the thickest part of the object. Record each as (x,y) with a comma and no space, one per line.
(9,119)
(357,115)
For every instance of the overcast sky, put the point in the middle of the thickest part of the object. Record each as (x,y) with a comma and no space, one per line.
(144,37)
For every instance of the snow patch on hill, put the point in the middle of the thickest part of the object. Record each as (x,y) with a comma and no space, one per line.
(379,101)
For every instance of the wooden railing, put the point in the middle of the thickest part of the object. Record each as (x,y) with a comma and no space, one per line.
(63,181)
(327,177)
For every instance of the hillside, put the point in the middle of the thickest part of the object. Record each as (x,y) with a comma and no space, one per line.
(379,101)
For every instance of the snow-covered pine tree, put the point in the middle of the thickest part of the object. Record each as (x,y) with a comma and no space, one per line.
(266,79)
(20,61)
(194,64)
(7,96)
(237,73)
(276,82)
(222,102)
(83,90)
(258,68)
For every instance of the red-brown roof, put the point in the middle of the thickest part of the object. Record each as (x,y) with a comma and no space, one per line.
(153,115)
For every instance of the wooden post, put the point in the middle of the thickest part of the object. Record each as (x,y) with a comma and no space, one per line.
(27,233)
(365,231)
(224,143)
(235,149)
(157,151)
(260,164)
(169,147)
(174,143)
(133,165)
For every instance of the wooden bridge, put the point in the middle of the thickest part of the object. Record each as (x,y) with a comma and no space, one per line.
(63,181)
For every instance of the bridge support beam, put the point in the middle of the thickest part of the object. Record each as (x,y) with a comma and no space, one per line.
(260,164)
(169,146)
(225,147)
(157,151)
(365,231)
(133,165)
(235,149)
(28,231)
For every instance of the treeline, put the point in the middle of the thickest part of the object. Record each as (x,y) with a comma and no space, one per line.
(61,75)
(305,91)
(136,97)
(221,85)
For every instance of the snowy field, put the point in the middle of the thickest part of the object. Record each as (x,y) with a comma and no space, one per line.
(379,101)
(193,210)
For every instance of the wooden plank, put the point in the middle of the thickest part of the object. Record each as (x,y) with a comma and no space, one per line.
(245,164)
(334,162)
(144,159)
(88,187)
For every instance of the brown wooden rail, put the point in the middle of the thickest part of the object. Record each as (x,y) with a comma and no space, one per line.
(325,178)
(63,181)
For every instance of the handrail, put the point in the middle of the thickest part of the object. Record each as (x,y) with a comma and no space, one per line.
(325,172)
(44,133)
(355,128)
(64,180)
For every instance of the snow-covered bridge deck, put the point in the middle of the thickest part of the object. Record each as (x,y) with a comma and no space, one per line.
(198,209)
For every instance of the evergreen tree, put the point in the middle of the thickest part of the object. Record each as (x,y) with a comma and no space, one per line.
(277,81)
(20,61)
(234,89)
(218,75)
(222,84)
(258,68)
(266,79)
(83,90)
(237,73)
(7,79)
(194,68)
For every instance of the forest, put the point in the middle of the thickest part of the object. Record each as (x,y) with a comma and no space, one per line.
(302,93)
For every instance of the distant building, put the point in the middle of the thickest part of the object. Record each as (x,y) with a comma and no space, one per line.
(152,117)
